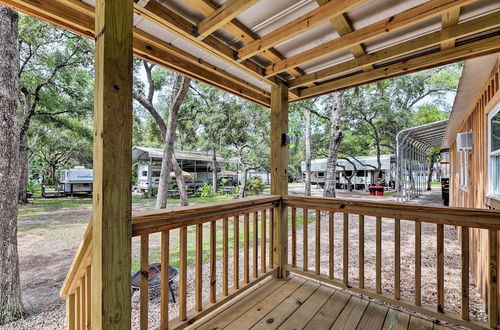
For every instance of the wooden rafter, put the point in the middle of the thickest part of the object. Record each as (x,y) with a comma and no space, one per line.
(469,50)
(145,46)
(448,19)
(343,26)
(223,15)
(241,32)
(179,26)
(468,28)
(298,26)
(409,17)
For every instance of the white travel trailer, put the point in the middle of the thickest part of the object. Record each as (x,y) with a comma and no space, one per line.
(197,164)
(364,171)
(76,180)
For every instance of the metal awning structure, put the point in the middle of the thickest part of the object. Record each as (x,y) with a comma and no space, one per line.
(412,167)
(313,47)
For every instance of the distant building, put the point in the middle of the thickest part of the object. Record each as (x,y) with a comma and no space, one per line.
(364,170)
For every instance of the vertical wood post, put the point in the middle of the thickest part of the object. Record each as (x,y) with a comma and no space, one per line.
(279,172)
(112,230)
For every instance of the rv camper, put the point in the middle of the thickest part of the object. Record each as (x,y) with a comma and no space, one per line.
(197,164)
(76,180)
(364,171)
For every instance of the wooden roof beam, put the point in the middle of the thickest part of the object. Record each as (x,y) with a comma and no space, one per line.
(298,26)
(468,28)
(409,17)
(343,26)
(79,18)
(241,32)
(448,19)
(176,24)
(223,15)
(469,50)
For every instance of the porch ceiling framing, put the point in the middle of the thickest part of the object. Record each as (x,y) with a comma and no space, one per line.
(237,69)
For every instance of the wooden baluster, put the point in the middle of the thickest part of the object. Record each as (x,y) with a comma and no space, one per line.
(213,259)
(70,312)
(83,303)
(78,309)
(331,247)
(465,272)
(255,245)
(294,237)
(397,259)
(492,279)
(318,242)
(378,255)
(236,252)
(345,244)
(88,300)
(225,257)
(182,273)
(263,241)
(144,282)
(361,251)
(418,263)
(271,237)
(440,267)
(305,239)
(246,248)
(165,277)
(198,301)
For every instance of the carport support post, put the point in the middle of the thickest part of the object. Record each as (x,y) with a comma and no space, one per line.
(111,216)
(279,173)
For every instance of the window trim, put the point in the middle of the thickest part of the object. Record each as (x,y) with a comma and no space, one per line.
(491,173)
(463,174)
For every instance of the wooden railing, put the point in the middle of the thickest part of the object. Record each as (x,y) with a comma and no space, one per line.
(376,211)
(251,217)
(254,219)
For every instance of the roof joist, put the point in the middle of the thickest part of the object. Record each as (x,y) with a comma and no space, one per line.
(409,17)
(228,11)
(298,26)
(238,30)
(472,49)
(461,30)
(76,19)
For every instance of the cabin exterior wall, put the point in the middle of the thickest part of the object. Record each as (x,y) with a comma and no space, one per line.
(475,193)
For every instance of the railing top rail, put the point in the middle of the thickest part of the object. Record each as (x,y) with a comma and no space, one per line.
(81,255)
(475,218)
(146,222)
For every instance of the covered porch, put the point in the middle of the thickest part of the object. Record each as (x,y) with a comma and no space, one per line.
(301,49)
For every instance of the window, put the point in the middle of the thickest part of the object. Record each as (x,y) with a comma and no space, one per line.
(464,168)
(321,174)
(144,173)
(494,151)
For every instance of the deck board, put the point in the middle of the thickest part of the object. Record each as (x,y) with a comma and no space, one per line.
(299,303)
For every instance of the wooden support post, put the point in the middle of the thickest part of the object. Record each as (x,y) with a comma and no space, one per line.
(279,172)
(112,228)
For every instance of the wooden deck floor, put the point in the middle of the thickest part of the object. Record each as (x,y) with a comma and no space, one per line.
(298,303)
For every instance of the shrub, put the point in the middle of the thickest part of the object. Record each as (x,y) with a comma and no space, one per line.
(206,190)
(255,185)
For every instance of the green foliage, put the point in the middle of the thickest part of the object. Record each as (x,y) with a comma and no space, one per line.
(255,185)
(33,186)
(206,190)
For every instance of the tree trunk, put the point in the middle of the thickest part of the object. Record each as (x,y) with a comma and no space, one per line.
(431,170)
(179,92)
(307,190)
(333,147)
(10,288)
(243,183)
(214,171)
(23,167)
(181,183)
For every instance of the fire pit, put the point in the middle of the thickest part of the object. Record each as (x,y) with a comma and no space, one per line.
(154,278)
